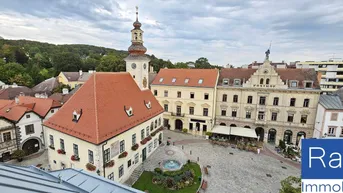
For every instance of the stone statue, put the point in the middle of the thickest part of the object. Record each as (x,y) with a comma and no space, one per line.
(267,54)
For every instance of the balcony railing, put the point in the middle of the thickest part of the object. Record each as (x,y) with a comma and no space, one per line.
(178,114)
(7,143)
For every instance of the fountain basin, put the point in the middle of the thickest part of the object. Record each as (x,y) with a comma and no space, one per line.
(171,165)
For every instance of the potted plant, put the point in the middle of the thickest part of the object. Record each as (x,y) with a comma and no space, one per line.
(135,147)
(61,151)
(109,164)
(143,142)
(51,147)
(90,167)
(208,134)
(148,138)
(75,158)
(184,130)
(122,155)
(19,154)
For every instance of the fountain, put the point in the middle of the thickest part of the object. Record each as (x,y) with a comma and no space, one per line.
(171,165)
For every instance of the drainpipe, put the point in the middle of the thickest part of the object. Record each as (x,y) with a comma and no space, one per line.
(43,133)
(103,158)
(16,136)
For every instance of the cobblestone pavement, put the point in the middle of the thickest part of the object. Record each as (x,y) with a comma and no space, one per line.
(39,158)
(231,170)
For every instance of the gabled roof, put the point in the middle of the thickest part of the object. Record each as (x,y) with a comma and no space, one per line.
(61,98)
(235,73)
(208,76)
(102,100)
(12,92)
(47,86)
(75,76)
(14,179)
(331,102)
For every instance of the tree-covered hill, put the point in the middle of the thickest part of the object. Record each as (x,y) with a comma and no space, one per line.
(29,62)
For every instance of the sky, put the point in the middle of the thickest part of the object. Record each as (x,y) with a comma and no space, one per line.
(233,32)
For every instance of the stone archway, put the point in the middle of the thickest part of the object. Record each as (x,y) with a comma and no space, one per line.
(31,146)
(299,135)
(233,125)
(272,136)
(248,127)
(222,124)
(287,136)
(178,125)
(260,133)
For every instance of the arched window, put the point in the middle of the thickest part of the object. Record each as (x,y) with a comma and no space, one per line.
(261,81)
(224,97)
(222,124)
(267,81)
(152,126)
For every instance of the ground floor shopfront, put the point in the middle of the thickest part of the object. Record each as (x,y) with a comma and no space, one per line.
(272,134)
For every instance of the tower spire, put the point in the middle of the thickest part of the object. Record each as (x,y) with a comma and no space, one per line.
(136,13)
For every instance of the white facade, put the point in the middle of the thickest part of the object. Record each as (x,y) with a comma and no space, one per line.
(128,163)
(329,123)
(139,70)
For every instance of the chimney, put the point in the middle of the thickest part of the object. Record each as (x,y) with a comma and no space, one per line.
(65,91)
(80,72)
(16,99)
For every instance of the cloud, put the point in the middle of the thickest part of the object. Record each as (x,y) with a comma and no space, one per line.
(235,32)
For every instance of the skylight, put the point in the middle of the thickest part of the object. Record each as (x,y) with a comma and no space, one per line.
(186,80)
(161,79)
(174,79)
(200,81)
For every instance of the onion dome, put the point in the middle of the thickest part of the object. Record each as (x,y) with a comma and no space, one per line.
(137,48)
(137,24)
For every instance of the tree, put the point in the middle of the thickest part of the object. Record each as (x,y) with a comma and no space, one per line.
(60,87)
(67,61)
(90,64)
(22,79)
(111,63)
(181,65)
(9,70)
(202,63)
(291,185)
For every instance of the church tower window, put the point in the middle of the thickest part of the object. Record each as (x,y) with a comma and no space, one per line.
(261,81)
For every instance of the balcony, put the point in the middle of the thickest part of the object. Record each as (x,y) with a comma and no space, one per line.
(261,122)
(178,114)
(7,144)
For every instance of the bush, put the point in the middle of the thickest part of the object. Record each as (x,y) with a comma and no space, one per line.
(282,144)
(209,133)
(189,161)
(18,154)
(158,170)
(184,130)
(173,173)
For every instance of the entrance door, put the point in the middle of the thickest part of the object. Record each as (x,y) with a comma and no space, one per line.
(271,136)
(178,125)
(144,154)
(160,139)
(260,133)
(31,146)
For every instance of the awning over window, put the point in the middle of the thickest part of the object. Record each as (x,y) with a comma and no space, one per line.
(237,131)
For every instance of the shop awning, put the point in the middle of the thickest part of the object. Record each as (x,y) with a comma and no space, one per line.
(237,131)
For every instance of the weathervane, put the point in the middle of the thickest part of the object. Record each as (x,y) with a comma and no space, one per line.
(268,51)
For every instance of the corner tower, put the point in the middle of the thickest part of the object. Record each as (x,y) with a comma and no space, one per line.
(137,63)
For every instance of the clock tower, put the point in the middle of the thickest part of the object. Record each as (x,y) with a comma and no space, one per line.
(137,63)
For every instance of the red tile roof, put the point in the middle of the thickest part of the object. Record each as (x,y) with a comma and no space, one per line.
(13,111)
(61,98)
(102,100)
(209,77)
(235,73)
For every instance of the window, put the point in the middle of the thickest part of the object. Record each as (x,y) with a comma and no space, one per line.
(147,129)
(290,118)
(76,149)
(107,155)
(191,110)
(206,96)
(303,119)
(331,131)
(294,84)
(62,144)
(249,100)
(149,147)
(274,117)
(190,126)
(136,158)
(28,116)
(51,140)
(29,129)
(155,143)
(204,128)
(128,163)
(122,146)
(292,102)
(261,115)
(52,111)
(235,98)
(178,110)
(225,81)
(192,95)
(306,102)
(262,100)
(111,176)
(174,80)
(186,80)
(161,79)
(159,121)
(224,98)
(261,81)
(248,115)
(267,81)
(142,134)
(223,112)
(276,101)
(234,113)
(90,156)
(121,171)
(200,81)
(133,139)
(166,107)
(308,84)
(155,123)
(237,82)
(334,116)
(155,92)
(205,112)
(165,93)
(7,136)
(178,94)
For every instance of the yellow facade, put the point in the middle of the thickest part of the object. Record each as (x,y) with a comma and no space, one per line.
(63,80)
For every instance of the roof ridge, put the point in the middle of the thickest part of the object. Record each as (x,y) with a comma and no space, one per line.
(96,111)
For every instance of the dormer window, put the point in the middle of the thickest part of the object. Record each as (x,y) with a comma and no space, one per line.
(237,82)
(161,79)
(186,80)
(225,81)
(200,81)
(129,111)
(294,83)
(308,84)
(174,80)
(147,104)
(76,115)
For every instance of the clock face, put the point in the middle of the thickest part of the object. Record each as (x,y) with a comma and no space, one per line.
(133,65)
(144,66)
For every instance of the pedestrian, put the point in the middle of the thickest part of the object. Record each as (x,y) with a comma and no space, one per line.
(258,150)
